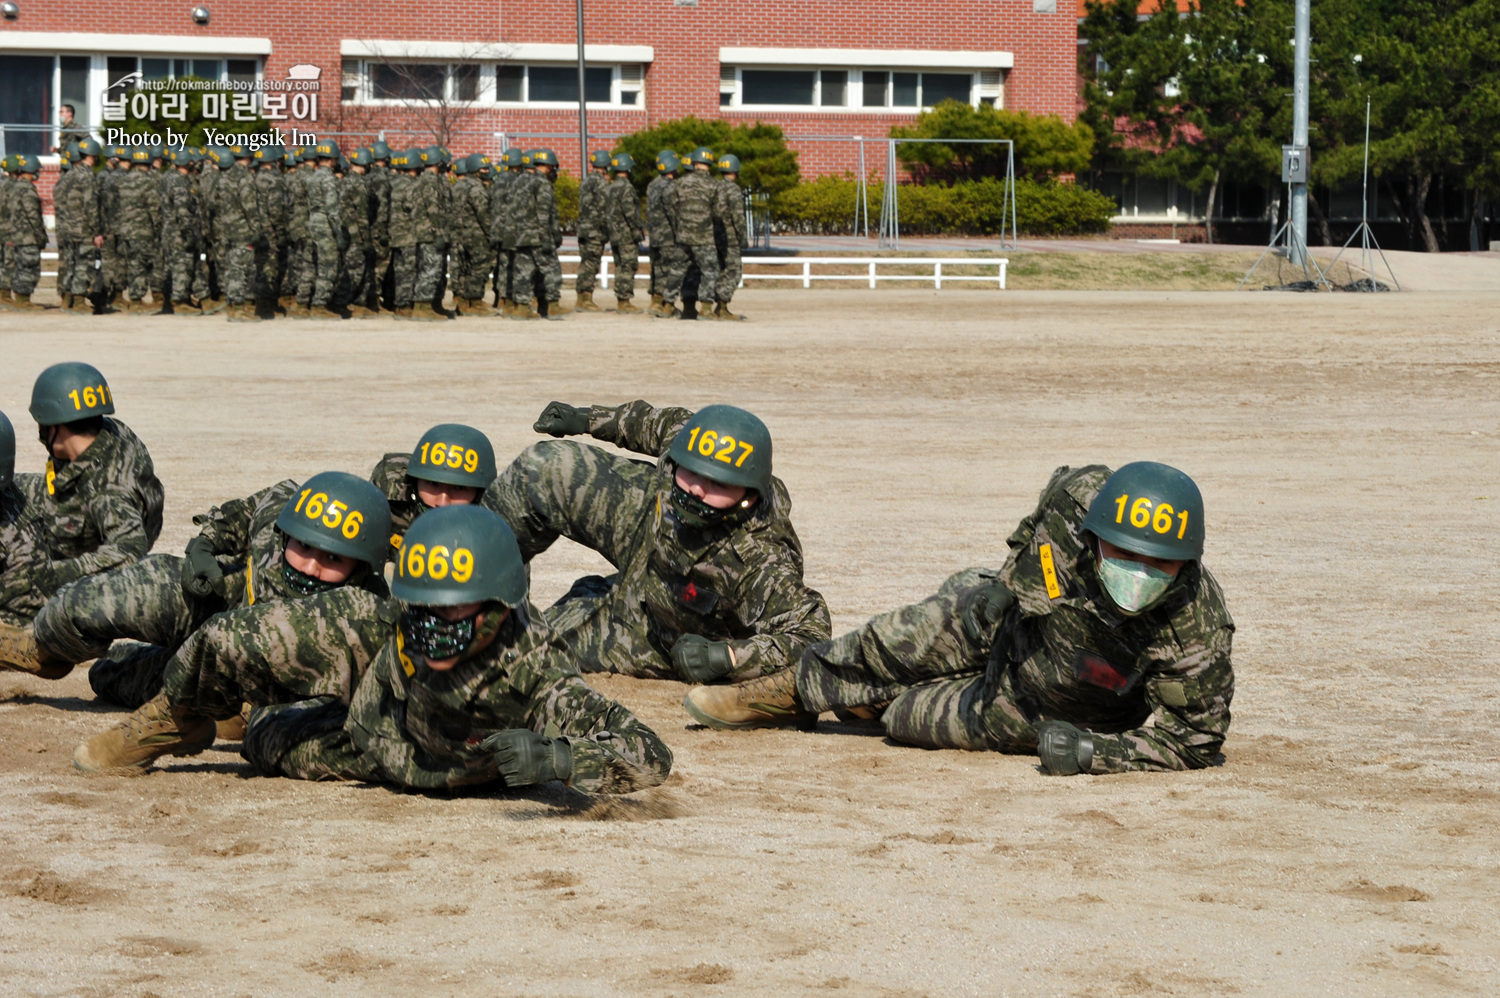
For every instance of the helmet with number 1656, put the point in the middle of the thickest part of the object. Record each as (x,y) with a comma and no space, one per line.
(342,514)
(1151,509)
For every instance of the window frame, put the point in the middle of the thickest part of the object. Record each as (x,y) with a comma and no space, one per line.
(488,85)
(854,85)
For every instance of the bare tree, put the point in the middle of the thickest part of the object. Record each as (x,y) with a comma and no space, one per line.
(439,97)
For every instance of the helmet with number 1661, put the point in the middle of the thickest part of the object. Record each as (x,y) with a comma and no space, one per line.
(70,391)
(341,514)
(726,444)
(1151,509)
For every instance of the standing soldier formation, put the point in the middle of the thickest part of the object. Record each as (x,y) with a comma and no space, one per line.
(311,233)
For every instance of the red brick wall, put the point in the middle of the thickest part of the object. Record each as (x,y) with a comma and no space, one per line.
(682,80)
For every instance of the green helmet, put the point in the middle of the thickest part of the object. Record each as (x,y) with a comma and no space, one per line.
(729,163)
(157,152)
(460,166)
(511,158)
(702,154)
(1151,509)
(444,156)
(327,149)
(65,161)
(341,514)
(621,162)
(269,154)
(141,157)
(544,157)
(89,147)
(479,163)
(70,391)
(289,158)
(459,554)
(454,454)
(380,151)
(726,444)
(361,157)
(668,162)
(7,452)
(419,158)
(119,152)
(27,163)
(237,152)
(599,159)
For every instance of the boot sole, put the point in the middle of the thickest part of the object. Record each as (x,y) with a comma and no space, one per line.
(197,748)
(802,721)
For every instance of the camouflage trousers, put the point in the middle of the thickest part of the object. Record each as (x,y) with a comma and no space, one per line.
(213,269)
(470,268)
(432,273)
(27,269)
(290,270)
(278,652)
(549,277)
(81,272)
(67,256)
(241,268)
(566,489)
(526,272)
(359,276)
(23,546)
(731,270)
(318,281)
(504,263)
(305,740)
(183,272)
(685,262)
(926,668)
(113,265)
(140,261)
(143,602)
(404,275)
(625,264)
(7,265)
(668,265)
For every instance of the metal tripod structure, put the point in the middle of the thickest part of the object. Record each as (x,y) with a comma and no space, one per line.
(1364,233)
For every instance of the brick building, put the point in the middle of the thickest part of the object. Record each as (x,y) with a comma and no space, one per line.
(493,73)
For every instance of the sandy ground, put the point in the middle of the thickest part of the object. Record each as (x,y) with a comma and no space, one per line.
(1346,447)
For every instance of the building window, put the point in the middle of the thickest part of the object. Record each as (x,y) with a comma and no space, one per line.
(408,81)
(790,87)
(845,88)
(152,68)
(505,83)
(559,84)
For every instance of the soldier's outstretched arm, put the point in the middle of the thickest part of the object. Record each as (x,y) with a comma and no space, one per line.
(785,616)
(638,426)
(613,751)
(228,527)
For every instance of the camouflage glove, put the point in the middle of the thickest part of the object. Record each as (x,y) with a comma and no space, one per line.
(562,420)
(526,757)
(1064,749)
(700,660)
(201,575)
(982,610)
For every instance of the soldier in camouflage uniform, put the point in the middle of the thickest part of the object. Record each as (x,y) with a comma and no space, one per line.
(432,218)
(327,237)
(270,188)
(459,684)
(667,264)
(7,263)
(113,273)
(533,211)
(709,569)
(250,551)
(211,163)
(451,465)
(26,233)
(298,233)
(1103,617)
(378,180)
(503,229)
(65,224)
(182,236)
(698,211)
(471,230)
(360,209)
(99,504)
(244,243)
(83,217)
(593,230)
(23,545)
(403,232)
(623,217)
(140,223)
(730,235)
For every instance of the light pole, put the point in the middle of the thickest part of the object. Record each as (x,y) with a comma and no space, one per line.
(583,114)
(1298,240)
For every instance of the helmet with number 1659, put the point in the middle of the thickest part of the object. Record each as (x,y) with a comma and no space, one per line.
(342,514)
(726,444)
(1151,509)
(453,454)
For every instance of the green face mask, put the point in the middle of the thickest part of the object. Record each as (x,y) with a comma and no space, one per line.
(1133,586)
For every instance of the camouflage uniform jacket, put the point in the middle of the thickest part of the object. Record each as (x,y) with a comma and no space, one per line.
(297,204)
(325,211)
(378,188)
(729,228)
(140,210)
(67,218)
(592,224)
(238,212)
(696,203)
(356,209)
(1155,687)
(622,206)
(432,209)
(243,532)
(23,547)
(661,211)
(7,184)
(209,181)
(402,229)
(502,221)
(181,215)
(740,582)
(533,210)
(471,212)
(270,187)
(99,511)
(26,225)
(107,194)
(423,728)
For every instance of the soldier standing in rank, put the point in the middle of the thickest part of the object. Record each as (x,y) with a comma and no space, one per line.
(730,235)
(139,228)
(623,217)
(64,226)
(112,269)
(593,232)
(7,265)
(545,279)
(360,208)
(271,197)
(378,180)
(431,224)
(698,212)
(26,233)
(162,172)
(1103,644)
(244,244)
(181,236)
(301,166)
(82,212)
(322,253)
(212,161)
(403,232)
(661,219)
(503,229)
(471,232)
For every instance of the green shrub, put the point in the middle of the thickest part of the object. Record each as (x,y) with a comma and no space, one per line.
(566,192)
(767,164)
(1043,208)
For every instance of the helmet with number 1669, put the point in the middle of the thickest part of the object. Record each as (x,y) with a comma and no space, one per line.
(341,514)
(459,554)
(1151,509)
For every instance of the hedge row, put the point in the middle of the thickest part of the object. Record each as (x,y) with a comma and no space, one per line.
(1043,208)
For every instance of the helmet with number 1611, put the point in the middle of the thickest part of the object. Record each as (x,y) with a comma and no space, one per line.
(1151,509)
(726,444)
(341,514)
(459,554)
(454,454)
(70,391)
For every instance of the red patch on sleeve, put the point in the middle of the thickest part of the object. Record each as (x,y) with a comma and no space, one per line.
(1096,671)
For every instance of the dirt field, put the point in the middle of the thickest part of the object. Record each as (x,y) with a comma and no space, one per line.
(1346,446)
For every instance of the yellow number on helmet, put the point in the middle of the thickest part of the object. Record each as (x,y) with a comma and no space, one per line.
(335,514)
(707,443)
(90,397)
(1140,512)
(726,448)
(1161,520)
(439,453)
(315,504)
(416,562)
(463,564)
(471,460)
(352,523)
(437,562)
(455,457)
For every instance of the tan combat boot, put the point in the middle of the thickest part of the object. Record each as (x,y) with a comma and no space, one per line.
(117,304)
(585,303)
(80,305)
(19,651)
(526,311)
(285,305)
(233,730)
(627,307)
(323,312)
(212,306)
(663,310)
(361,312)
(557,308)
(768,702)
(655,300)
(423,311)
(299,311)
(721,312)
(155,729)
